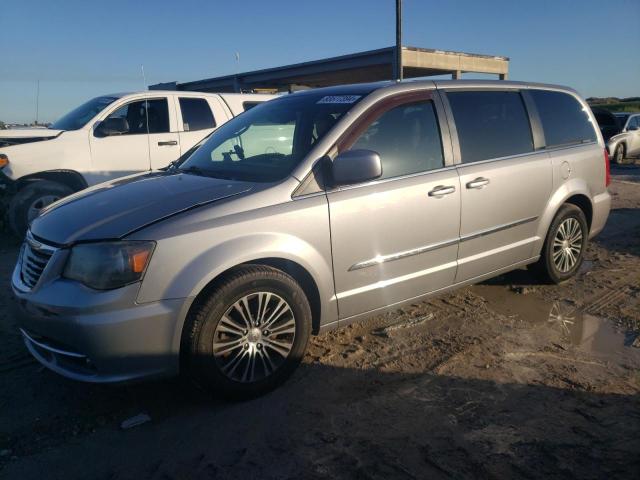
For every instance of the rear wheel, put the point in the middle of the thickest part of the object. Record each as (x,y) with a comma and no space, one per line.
(564,246)
(619,154)
(26,205)
(249,334)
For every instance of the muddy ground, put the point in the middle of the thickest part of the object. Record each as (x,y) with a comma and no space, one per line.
(505,379)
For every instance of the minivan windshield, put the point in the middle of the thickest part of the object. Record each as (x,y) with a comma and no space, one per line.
(79,117)
(267,142)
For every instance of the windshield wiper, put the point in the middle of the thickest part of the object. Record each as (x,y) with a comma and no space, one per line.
(193,169)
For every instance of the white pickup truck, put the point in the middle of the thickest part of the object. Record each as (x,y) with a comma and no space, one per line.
(105,138)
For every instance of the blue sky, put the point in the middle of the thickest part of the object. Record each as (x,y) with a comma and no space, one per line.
(81,49)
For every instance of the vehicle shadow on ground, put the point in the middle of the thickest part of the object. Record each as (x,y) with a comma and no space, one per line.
(325,422)
(622,232)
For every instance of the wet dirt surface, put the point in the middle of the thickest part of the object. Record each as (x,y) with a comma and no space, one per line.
(509,378)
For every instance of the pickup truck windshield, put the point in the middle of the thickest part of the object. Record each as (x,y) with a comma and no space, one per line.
(79,117)
(265,143)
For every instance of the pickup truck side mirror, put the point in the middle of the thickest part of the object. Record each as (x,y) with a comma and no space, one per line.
(111,126)
(356,166)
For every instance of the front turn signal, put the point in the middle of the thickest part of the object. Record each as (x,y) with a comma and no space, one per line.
(4,160)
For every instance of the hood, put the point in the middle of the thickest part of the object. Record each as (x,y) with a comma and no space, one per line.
(115,209)
(16,136)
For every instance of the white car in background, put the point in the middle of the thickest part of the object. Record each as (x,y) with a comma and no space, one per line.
(626,143)
(107,137)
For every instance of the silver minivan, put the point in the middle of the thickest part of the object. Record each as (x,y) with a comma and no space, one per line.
(368,197)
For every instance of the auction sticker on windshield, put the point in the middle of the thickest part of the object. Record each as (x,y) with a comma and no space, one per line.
(339,99)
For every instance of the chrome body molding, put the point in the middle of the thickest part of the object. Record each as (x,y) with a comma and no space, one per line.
(49,348)
(499,228)
(397,256)
(428,248)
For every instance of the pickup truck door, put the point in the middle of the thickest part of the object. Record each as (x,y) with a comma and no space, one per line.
(396,238)
(197,118)
(134,145)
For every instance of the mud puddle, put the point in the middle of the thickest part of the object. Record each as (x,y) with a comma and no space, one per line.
(589,333)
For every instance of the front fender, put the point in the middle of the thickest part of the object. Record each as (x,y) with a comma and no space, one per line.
(67,151)
(161,282)
(196,275)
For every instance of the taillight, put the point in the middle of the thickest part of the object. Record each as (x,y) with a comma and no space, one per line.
(607,169)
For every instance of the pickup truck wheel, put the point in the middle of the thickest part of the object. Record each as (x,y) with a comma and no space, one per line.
(618,155)
(249,334)
(564,246)
(27,203)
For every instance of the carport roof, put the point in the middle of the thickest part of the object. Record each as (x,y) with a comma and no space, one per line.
(369,66)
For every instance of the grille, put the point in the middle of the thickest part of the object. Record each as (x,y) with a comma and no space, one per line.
(35,257)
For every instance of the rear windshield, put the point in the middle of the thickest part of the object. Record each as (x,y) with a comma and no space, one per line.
(564,120)
(268,141)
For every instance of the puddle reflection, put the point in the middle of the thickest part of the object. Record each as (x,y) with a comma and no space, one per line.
(586,331)
(583,330)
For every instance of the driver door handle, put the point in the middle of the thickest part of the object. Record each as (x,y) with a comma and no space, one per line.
(479,182)
(167,143)
(442,190)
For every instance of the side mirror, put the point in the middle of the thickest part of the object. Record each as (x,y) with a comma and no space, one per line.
(111,126)
(356,166)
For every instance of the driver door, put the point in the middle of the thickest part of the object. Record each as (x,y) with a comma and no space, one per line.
(143,140)
(396,238)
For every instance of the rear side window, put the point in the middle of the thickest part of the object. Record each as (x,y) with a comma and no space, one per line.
(490,124)
(407,138)
(564,120)
(196,114)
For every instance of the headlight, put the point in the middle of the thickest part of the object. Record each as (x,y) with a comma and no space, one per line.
(108,265)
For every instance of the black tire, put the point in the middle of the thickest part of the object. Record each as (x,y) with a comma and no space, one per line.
(619,154)
(545,268)
(206,369)
(36,194)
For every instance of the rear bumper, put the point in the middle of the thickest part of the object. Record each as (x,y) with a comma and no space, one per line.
(601,208)
(100,337)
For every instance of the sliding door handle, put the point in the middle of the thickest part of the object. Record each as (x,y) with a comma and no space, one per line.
(167,143)
(442,190)
(479,182)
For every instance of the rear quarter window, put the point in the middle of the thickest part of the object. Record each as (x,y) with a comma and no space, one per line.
(564,120)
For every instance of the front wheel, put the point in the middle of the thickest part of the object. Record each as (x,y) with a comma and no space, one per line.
(26,205)
(564,246)
(249,334)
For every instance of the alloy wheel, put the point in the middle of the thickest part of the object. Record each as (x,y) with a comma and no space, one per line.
(567,245)
(39,204)
(254,337)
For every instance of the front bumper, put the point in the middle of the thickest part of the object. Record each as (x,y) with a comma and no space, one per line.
(101,337)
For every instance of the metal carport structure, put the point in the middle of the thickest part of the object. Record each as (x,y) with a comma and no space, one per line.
(368,66)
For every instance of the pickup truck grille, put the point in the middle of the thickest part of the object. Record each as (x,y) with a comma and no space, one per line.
(35,257)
